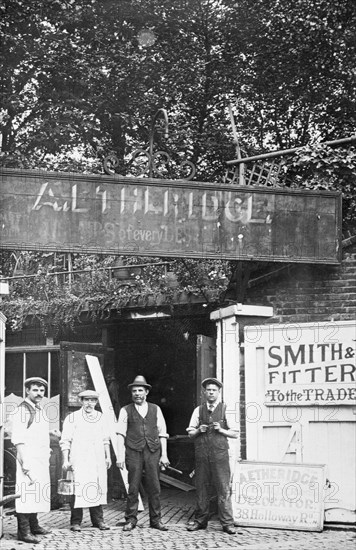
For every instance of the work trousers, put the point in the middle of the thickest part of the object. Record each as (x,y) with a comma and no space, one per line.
(96,515)
(26,523)
(136,462)
(212,466)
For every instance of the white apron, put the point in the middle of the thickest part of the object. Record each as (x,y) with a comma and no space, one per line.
(34,497)
(85,438)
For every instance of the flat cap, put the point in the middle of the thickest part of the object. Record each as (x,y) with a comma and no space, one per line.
(140,381)
(215,381)
(36,380)
(89,393)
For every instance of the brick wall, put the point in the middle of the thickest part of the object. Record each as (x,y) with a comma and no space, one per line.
(303,294)
(307,293)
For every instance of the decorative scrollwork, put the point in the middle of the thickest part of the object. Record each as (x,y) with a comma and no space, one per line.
(192,167)
(151,164)
(110,163)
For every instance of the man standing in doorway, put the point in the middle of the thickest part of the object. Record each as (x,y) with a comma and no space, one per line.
(210,430)
(31,437)
(85,446)
(142,444)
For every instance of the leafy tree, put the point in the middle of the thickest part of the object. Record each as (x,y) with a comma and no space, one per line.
(77,75)
(83,78)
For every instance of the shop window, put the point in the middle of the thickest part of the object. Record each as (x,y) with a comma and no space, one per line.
(14,374)
(37,364)
(22,365)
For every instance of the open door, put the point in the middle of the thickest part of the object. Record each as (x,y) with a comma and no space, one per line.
(2,393)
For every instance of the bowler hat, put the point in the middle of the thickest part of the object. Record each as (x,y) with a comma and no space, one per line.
(215,381)
(140,381)
(36,380)
(89,393)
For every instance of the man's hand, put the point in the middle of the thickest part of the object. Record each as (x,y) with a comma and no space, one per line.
(66,465)
(27,473)
(120,465)
(108,462)
(163,461)
(217,426)
(25,468)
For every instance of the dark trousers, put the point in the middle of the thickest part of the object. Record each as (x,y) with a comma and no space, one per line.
(96,514)
(136,461)
(26,523)
(212,466)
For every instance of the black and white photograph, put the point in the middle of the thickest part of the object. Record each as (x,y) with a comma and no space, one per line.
(178,274)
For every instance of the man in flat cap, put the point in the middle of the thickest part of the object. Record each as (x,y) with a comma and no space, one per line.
(142,444)
(85,446)
(31,436)
(210,430)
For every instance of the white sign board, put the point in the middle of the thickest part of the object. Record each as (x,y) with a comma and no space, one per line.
(279,495)
(311,364)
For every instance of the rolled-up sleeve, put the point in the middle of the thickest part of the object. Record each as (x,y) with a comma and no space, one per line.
(67,434)
(121,427)
(19,420)
(194,421)
(161,424)
(232,418)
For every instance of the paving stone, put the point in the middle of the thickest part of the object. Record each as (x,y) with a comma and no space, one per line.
(176,514)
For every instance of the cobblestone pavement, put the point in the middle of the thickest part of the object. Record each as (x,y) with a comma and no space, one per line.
(178,538)
(177,510)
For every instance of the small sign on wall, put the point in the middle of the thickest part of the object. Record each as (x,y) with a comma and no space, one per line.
(279,495)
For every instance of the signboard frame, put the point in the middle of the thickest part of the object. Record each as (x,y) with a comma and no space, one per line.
(307,364)
(259,485)
(67,212)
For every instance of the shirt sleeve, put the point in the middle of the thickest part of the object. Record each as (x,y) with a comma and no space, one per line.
(121,427)
(67,433)
(194,421)
(105,429)
(161,424)
(19,421)
(231,415)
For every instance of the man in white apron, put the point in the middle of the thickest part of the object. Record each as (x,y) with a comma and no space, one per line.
(30,435)
(85,446)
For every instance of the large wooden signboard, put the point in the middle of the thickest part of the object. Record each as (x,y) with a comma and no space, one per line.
(147,217)
(279,495)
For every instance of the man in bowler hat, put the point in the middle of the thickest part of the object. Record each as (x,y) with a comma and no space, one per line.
(210,430)
(142,445)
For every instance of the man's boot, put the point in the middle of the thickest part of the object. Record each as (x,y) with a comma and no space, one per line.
(35,528)
(23,529)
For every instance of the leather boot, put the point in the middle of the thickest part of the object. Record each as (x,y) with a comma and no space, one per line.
(23,529)
(35,528)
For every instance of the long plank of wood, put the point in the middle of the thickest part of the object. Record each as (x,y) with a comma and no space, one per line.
(108,410)
(176,483)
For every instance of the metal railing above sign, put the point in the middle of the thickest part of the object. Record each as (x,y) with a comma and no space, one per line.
(149,217)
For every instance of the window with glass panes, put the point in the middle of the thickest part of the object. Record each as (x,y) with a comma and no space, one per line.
(24,363)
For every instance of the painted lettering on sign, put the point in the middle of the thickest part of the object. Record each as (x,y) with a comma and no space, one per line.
(49,211)
(289,496)
(308,372)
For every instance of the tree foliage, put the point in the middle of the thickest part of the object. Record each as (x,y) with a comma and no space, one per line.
(77,74)
(83,78)
(61,295)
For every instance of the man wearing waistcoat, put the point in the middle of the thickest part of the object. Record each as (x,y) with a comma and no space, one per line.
(210,429)
(142,444)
